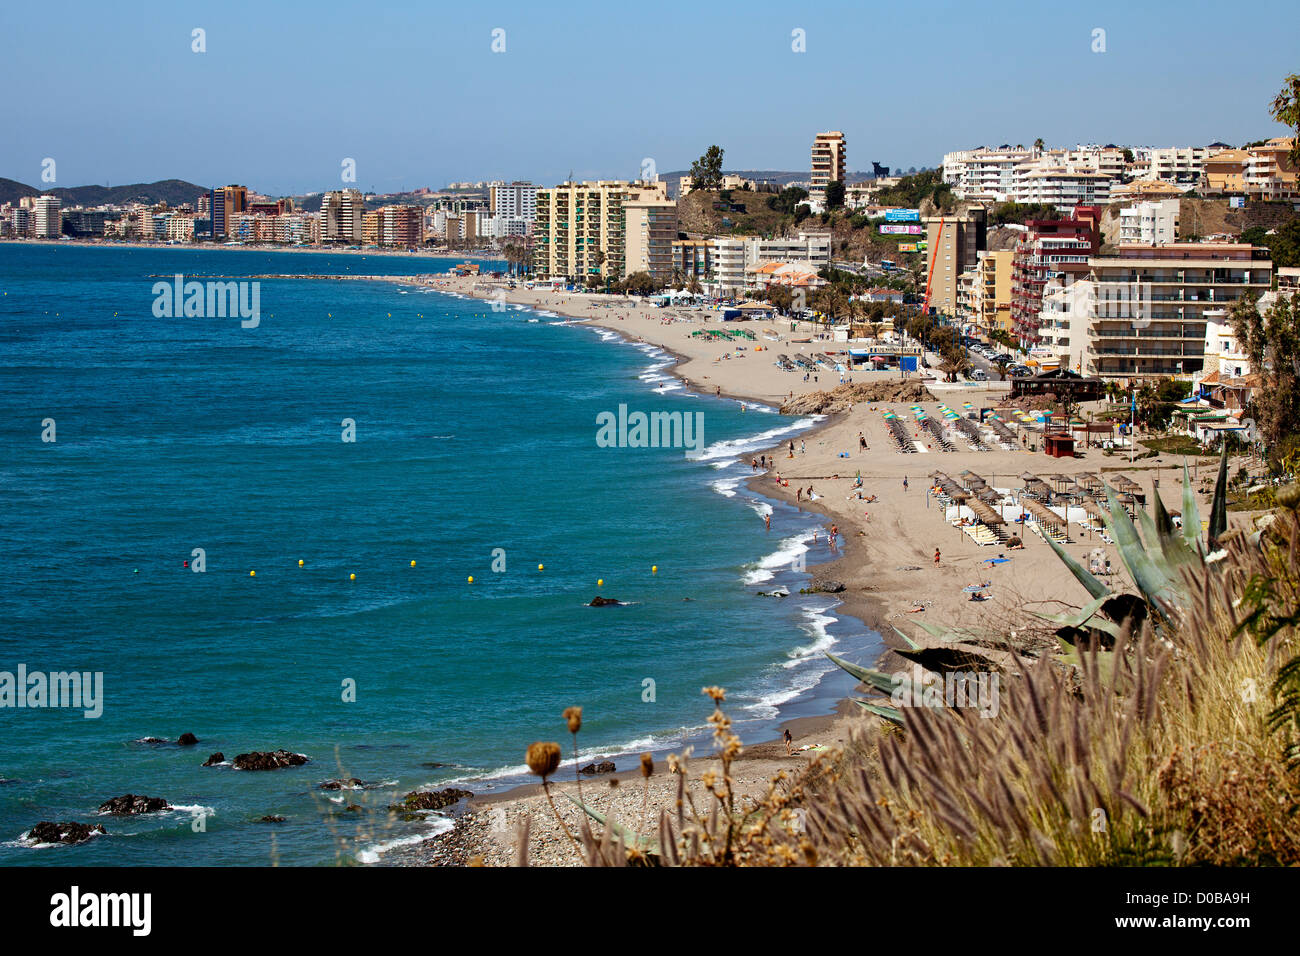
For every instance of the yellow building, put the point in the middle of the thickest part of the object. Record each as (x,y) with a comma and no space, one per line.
(581,229)
(651,229)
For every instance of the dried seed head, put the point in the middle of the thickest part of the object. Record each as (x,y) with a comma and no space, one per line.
(647,765)
(543,759)
(573,716)
(717,693)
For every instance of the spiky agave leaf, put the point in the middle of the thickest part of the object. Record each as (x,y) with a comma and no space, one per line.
(629,837)
(892,714)
(1172,544)
(1095,587)
(1191,513)
(1150,571)
(1219,509)
(1080,617)
(910,643)
(885,683)
(943,659)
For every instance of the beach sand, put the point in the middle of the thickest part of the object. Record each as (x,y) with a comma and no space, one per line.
(887,548)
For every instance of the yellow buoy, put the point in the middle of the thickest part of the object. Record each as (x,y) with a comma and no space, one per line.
(300,562)
(471,579)
(252,574)
(600,582)
(541,567)
(654,569)
(352,577)
(412,564)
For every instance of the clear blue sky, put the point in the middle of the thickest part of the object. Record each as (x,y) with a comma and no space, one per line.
(414,93)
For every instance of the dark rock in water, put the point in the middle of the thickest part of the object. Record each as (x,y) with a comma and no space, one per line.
(605,766)
(352,808)
(431,799)
(130,804)
(215,759)
(599,601)
(152,740)
(828,587)
(47,832)
(268,760)
(432,765)
(188,740)
(340,784)
(271,818)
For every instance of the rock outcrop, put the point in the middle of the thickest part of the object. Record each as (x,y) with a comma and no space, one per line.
(130,804)
(71,832)
(215,759)
(605,766)
(268,760)
(431,799)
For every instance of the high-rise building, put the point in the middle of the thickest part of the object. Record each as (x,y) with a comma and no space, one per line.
(829,161)
(342,216)
(580,229)
(1152,303)
(47,219)
(650,230)
(401,225)
(517,200)
(953,244)
(1050,247)
(225,202)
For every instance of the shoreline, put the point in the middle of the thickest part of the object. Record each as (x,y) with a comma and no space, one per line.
(477,831)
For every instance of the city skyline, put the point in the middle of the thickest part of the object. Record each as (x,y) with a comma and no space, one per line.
(259,106)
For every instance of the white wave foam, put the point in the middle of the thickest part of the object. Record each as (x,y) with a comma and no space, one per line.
(719,452)
(436,826)
(783,557)
(815,626)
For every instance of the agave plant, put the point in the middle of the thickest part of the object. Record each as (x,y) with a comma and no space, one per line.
(1156,567)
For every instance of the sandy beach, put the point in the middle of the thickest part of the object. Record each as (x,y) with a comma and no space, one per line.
(899,558)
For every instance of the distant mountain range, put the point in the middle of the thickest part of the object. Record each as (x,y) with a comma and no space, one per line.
(171,191)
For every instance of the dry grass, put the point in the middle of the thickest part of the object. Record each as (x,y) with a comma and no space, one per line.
(1160,754)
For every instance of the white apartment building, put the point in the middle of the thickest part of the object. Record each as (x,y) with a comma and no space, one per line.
(1149,223)
(504,227)
(1065,323)
(732,261)
(1181,165)
(1061,186)
(47,219)
(984,175)
(180,228)
(517,200)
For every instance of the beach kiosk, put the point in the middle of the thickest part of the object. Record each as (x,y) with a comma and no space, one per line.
(1058,444)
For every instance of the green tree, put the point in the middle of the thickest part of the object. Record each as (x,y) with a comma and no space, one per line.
(788,200)
(834,195)
(706,172)
(1271,343)
(1286,110)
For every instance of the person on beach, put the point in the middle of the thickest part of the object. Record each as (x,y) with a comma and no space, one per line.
(936,557)
(789,743)
(834,533)
(803,447)
(791,447)
(798,495)
(905,482)
(862,442)
(767,520)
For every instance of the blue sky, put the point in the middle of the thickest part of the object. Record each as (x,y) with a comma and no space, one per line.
(414,93)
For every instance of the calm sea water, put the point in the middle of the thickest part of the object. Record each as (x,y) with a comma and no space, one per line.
(474,431)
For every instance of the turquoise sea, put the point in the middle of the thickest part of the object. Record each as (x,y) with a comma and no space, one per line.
(475,447)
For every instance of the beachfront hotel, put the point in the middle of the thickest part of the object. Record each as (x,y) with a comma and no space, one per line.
(1050,246)
(1181,286)
(225,201)
(581,228)
(651,230)
(342,216)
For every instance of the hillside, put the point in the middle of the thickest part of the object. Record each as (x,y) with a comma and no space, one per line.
(171,191)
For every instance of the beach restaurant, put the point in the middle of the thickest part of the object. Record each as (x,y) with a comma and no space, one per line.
(905,358)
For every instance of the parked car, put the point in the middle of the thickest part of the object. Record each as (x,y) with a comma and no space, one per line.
(977,375)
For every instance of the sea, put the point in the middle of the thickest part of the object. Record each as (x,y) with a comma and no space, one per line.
(365,529)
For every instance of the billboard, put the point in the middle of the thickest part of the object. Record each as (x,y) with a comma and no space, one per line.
(907,247)
(902,229)
(1237,202)
(902,215)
